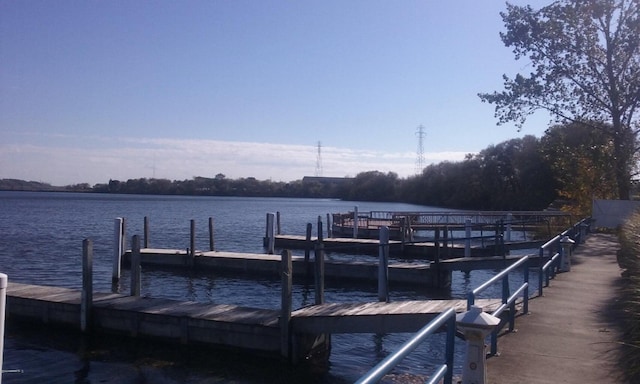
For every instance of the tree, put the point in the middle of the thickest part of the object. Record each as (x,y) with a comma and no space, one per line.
(585,60)
(582,161)
(516,175)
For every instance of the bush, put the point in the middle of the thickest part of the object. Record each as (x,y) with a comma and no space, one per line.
(628,259)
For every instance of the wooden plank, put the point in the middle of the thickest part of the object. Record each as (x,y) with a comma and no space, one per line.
(377,317)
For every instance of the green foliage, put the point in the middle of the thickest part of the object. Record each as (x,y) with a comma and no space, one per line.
(582,158)
(373,186)
(585,61)
(512,175)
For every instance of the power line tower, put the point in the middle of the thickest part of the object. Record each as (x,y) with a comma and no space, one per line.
(319,161)
(420,153)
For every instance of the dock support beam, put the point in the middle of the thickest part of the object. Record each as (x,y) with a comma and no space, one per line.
(192,242)
(135,265)
(285,314)
(509,221)
(383,265)
(118,236)
(86,300)
(271,233)
(146,232)
(467,234)
(307,251)
(355,222)
(319,266)
(211,243)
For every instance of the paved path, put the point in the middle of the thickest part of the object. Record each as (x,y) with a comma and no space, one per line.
(569,335)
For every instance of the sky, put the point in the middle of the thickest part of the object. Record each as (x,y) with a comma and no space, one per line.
(277,90)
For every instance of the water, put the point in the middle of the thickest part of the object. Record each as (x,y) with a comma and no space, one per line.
(41,243)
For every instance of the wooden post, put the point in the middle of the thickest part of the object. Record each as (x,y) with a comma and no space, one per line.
(319,266)
(509,220)
(118,249)
(278,223)
(445,240)
(355,222)
(211,243)
(86,299)
(146,232)
(403,233)
(383,265)
(124,236)
(271,238)
(436,258)
(135,266)
(285,307)
(467,234)
(329,227)
(307,250)
(192,242)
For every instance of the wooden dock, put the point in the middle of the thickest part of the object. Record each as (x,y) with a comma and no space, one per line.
(377,317)
(255,263)
(404,273)
(418,250)
(220,325)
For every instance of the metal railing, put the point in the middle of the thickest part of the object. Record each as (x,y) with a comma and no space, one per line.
(508,299)
(555,251)
(444,371)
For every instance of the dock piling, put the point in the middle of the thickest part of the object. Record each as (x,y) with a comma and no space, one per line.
(118,237)
(319,266)
(135,266)
(86,298)
(285,315)
(211,242)
(355,222)
(467,240)
(146,232)
(307,250)
(192,241)
(271,237)
(383,266)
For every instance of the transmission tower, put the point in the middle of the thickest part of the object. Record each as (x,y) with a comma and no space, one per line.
(319,161)
(420,153)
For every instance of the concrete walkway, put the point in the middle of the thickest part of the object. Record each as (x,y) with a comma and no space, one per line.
(570,334)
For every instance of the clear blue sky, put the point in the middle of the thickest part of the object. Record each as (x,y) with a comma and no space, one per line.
(99,90)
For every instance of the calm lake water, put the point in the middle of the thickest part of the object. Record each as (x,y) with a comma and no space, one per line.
(41,243)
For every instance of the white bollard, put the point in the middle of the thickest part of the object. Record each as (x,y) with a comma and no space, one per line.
(565,257)
(3,303)
(475,325)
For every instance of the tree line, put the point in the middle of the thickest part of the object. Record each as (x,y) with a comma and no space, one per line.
(565,168)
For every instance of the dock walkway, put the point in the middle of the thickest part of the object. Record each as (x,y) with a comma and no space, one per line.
(569,336)
(188,322)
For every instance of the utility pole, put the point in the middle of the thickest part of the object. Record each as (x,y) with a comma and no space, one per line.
(420,153)
(319,161)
